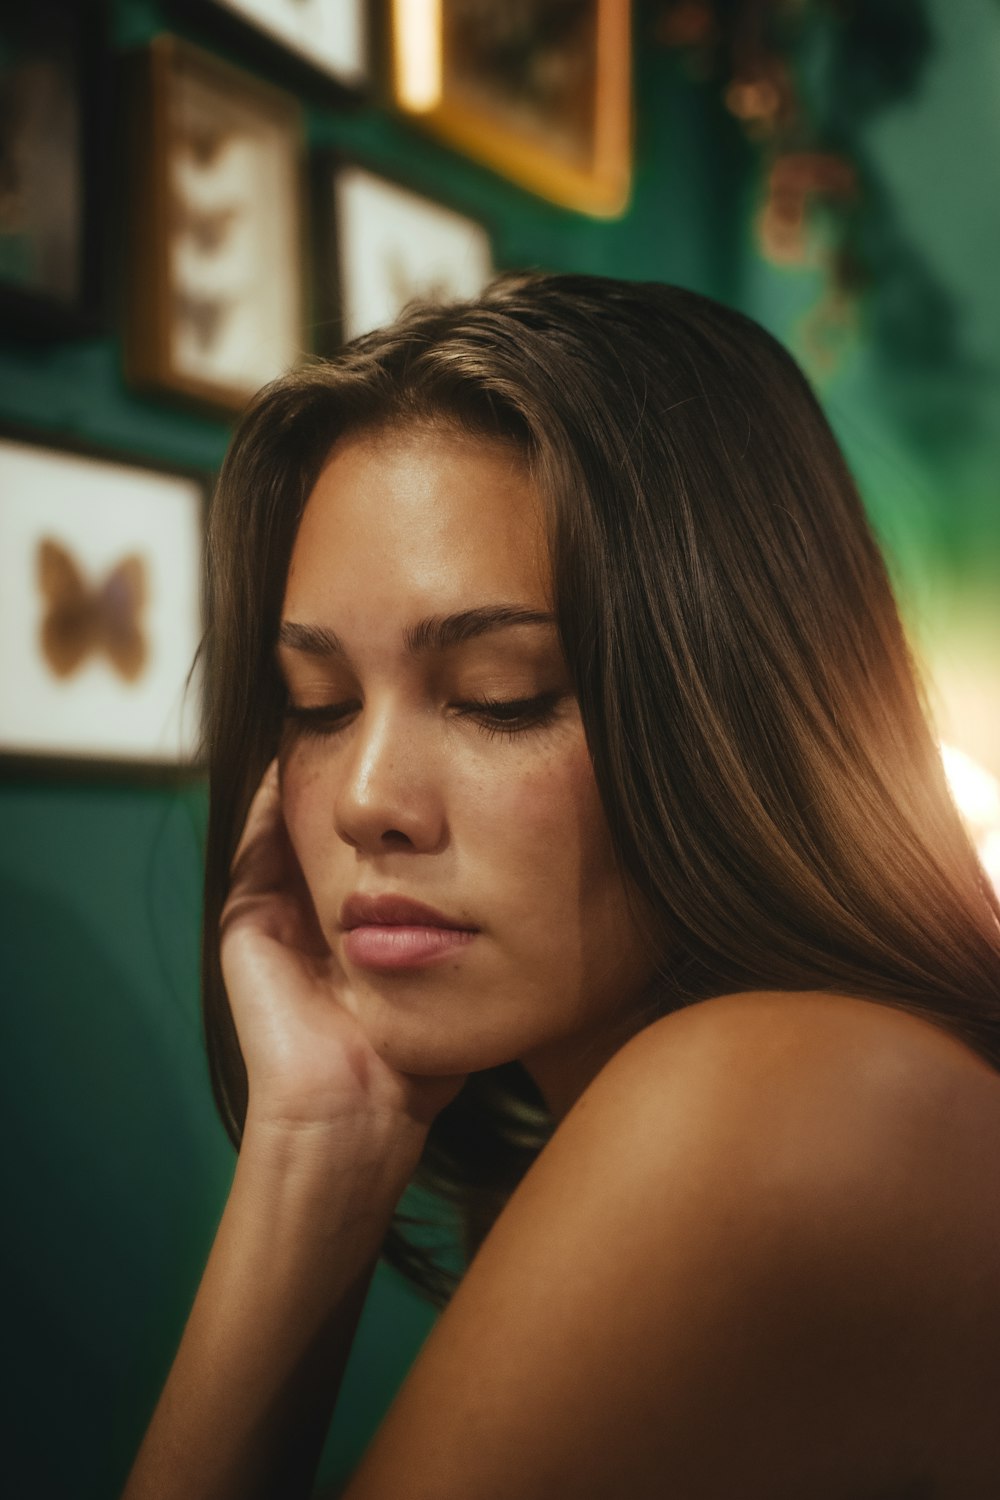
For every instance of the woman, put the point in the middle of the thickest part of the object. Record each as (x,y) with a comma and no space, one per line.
(599,870)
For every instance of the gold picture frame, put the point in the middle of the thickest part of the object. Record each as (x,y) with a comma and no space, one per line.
(539,91)
(216,303)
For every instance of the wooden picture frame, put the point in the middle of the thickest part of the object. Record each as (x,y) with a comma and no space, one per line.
(101,606)
(381,244)
(539,91)
(217,290)
(330,37)
(53,168)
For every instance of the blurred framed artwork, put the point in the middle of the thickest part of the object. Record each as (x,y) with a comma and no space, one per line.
(51,128)
(331,36)
(216,214)
(540,90)
(100,606)
(382,245)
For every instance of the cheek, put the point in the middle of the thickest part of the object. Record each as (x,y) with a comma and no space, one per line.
(305,804)
(567,913)
(551,821)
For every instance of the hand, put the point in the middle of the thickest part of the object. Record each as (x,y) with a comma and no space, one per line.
(309,1062)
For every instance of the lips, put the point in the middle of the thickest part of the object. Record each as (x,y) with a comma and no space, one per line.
(395,911)
(393,933)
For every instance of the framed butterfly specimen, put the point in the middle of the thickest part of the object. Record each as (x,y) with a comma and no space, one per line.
(100,606)
(380,245)
(330,36)
(216,296)
(53,172)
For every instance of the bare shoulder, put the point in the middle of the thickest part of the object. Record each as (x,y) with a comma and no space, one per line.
(777,1055)
(785,1030)
(876,1120)
(853,1150)
(754,1258)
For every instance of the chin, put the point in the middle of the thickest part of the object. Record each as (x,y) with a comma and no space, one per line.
(425,1034)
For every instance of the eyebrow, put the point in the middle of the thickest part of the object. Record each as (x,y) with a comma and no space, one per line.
(435,633)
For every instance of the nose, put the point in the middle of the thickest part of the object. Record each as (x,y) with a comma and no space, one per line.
(390,794)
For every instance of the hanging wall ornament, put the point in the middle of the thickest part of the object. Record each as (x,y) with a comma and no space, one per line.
(747,49)
(822,202)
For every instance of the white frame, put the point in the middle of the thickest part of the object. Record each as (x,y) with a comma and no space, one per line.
(393,244)
(330,35)
(97,703)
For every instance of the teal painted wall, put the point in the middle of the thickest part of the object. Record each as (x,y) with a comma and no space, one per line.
(117,1166)
(916,399)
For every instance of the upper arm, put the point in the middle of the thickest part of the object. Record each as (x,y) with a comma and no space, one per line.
(696,1289)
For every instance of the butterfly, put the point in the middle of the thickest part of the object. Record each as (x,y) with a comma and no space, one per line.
(81,620)
(204,316)
(207,229)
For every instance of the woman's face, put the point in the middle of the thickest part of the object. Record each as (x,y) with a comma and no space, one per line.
(434,752)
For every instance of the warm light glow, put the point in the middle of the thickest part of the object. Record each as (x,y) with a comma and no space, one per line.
(977,797)
(976,792)
(989,853)
(417,49)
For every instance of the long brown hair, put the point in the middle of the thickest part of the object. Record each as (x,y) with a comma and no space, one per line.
(758,734)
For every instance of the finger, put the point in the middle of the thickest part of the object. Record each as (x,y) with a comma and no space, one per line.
(264,867)
(263,830)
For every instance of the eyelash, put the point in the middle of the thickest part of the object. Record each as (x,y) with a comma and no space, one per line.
(502,718)
(511,716)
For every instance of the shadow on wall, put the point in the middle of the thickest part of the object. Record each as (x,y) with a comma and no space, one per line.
(111,1200)
(939,395)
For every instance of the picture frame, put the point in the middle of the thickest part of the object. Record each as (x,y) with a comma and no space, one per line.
(381,244)
(331,38)
(217,232)
(53,151)
(101,606)
(539,91)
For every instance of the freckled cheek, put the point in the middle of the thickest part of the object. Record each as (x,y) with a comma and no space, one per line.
(307,806)
(548,818)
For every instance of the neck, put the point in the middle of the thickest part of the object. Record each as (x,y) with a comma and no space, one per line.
(563,1070)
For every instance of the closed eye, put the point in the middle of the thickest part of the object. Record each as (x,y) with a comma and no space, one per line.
(508,717)
(323,719)
(504,717)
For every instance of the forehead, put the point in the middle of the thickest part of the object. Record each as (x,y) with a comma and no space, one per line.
(429,517)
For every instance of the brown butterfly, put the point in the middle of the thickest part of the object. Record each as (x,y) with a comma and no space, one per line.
(207,230)
(80,620)
(203,315)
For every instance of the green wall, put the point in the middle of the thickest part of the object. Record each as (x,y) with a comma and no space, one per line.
(117,1166)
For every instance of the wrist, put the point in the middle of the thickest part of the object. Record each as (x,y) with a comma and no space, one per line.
(369,1158)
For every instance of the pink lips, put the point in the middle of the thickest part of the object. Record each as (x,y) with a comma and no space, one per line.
(393,932)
